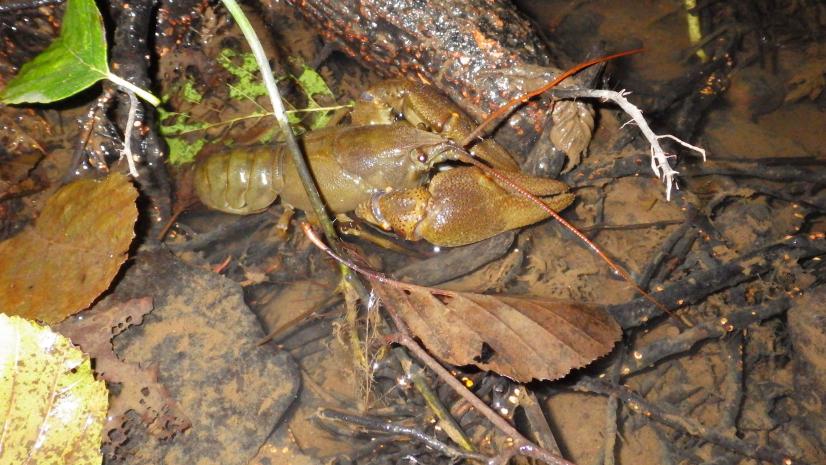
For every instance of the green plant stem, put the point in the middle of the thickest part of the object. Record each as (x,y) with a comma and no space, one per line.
(145,95)
(319,210)
(281,117)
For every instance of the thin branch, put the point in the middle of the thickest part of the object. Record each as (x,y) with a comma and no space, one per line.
(739,320)
(382,425)
(611,412)
(449,424)
(638,404)
(659,159)
(697,286)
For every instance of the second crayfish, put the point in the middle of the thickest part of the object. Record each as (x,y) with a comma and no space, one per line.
(381,166)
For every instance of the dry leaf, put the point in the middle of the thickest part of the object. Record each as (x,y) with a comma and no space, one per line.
(523,338)
(72,253)
(139,387)
(572,130)
(51,407)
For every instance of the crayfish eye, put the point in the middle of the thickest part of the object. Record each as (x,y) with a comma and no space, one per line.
(422,158)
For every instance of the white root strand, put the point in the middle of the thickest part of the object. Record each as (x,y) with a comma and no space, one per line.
(127,139)
(659,159)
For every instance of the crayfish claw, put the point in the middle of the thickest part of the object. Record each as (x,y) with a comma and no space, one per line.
(463,205)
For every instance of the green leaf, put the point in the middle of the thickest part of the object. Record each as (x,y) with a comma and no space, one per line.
(181,123)
(249,85)
(313,85)
(73,62)
(182,151)
(190,93)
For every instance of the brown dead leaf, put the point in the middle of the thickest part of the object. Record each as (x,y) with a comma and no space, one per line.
(523,338)
(139,390)
(72,253)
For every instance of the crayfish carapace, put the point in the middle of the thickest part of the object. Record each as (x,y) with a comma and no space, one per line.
(380,167)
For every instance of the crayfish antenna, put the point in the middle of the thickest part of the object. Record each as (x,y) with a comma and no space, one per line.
(503,111)
(616,268)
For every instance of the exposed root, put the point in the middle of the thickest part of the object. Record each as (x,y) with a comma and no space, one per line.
(659,159)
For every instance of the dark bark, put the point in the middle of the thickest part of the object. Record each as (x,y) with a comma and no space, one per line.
(481,53)
(697,286)
(131,60)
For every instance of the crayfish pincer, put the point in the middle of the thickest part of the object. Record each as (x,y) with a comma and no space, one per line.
(381,168)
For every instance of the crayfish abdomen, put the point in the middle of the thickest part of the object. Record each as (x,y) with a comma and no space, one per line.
(350,164)
(382,171)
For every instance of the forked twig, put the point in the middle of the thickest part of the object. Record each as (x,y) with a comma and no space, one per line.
(380,424)
(659,159)
(640,405)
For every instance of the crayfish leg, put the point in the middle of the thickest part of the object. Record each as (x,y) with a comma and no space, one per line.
(426,107)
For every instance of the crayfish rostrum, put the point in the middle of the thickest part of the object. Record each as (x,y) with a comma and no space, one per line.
(380,167)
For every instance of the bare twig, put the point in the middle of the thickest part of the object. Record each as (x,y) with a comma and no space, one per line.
(638,404)
(659,159)
(382,425)
(611,411)
(719,327)
(542,433)
(665,251)
(733,391)
(701,284)
(416,375)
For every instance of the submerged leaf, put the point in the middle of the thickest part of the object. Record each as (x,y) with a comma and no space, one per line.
(51,407)
(72,253)
(73,62)
(523,338)
(140,391)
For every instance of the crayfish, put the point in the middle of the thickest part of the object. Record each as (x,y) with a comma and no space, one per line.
(381,165)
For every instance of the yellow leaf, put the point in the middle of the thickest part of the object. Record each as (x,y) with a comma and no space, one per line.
(51,407)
